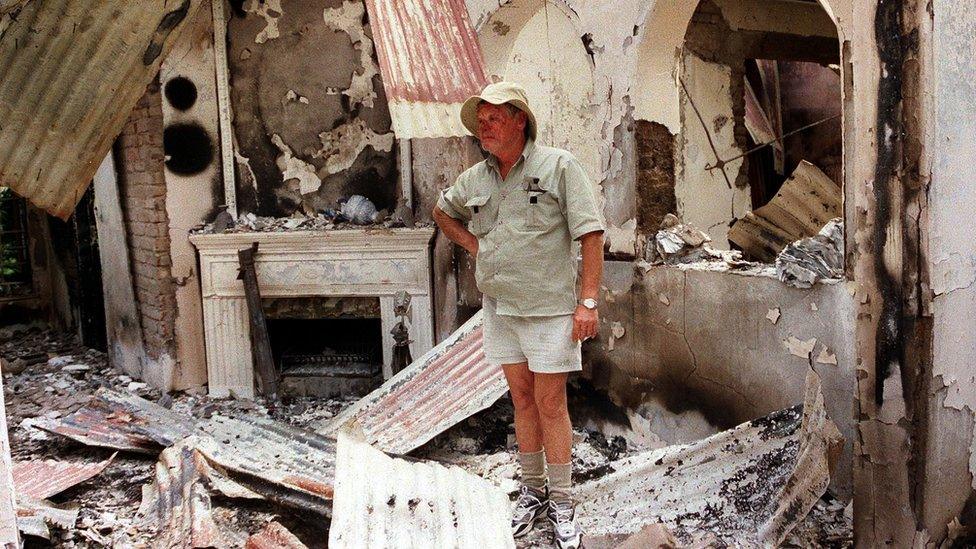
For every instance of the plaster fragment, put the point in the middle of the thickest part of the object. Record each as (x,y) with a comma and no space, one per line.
(893,406)
(617,329)
(800,348)
(244,165)
(826,357)
(270,10)
(341,146)
(773,315)
(348,18)
(623,239)
(294,97)
(293,167)
(813,307)
(664,299)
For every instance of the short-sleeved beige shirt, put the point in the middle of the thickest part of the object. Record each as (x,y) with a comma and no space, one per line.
(526,226)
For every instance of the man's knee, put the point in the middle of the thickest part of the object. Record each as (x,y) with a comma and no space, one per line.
(551,403)
(520,386)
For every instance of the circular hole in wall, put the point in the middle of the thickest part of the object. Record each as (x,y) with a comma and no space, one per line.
(189,148)
(181,93)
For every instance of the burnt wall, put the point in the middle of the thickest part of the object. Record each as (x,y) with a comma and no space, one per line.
(310,116)
(655,175)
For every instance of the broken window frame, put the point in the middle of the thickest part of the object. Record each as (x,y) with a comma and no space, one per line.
(16,280)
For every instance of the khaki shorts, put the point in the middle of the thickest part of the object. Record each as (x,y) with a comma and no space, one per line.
(545,342)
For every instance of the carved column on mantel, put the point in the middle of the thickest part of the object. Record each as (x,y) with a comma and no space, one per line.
(357,262)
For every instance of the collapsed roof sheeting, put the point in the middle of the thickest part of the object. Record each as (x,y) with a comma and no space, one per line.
(803,205)
(413,504)
(430,61)
(283,463)
(750,484)
(449,383)
(72,72)
(43,479)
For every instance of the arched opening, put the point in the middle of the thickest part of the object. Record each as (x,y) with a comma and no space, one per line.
(746,93)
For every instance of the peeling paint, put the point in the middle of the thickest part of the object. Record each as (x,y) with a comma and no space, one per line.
(348,18)
(293,167)
(270,10)
(341,146)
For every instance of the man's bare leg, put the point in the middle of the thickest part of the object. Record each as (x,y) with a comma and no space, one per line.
(557,431)
(533,502)
(528,428)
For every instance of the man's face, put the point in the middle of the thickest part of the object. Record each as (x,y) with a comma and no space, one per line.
(498,127)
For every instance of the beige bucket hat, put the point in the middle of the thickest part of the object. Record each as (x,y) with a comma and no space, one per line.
(498,93)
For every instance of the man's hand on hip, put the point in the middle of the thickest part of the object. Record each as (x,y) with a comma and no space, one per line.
(585,323)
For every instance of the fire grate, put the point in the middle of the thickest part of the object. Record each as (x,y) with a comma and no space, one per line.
(329,363)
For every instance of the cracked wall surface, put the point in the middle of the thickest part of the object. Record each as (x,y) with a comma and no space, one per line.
(311,123)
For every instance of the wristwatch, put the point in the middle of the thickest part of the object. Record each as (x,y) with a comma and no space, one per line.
(589,303)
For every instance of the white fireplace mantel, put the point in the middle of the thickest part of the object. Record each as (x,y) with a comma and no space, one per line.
(357,262)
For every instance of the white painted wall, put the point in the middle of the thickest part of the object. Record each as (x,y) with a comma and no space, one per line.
(704,198)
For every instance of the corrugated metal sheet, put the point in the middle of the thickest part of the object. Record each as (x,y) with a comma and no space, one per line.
(762,475)
(179,501)
(123,422)
(430,61)
(413,504)
(274,536)
(43,479)
(449,383)
(801,207)
(287,464)
(72,72)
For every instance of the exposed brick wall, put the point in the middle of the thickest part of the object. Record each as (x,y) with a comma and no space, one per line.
(142,188)
(655,175)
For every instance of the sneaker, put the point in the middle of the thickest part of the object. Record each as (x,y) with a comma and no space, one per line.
(564,528)
(530,506)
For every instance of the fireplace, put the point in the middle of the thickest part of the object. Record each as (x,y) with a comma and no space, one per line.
(305,266)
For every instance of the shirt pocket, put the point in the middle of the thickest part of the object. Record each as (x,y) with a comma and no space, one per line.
(481,219)
(541,209)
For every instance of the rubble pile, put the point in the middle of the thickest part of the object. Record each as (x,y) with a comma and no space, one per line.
(685,246)
(172,468)
(815,258)
(356,212)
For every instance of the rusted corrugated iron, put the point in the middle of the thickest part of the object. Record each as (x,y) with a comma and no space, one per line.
(284,463)
(43,479)
(430,61)
(287,464)
(178,502)
(386,502)
(449,383)
(274,536)
(123,422)
(72,72)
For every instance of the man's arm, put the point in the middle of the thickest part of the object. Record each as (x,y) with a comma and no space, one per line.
(586,321)
(460,235)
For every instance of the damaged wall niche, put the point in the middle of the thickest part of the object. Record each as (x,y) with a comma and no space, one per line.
(311,123)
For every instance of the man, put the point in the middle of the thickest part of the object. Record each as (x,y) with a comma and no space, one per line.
(525,206)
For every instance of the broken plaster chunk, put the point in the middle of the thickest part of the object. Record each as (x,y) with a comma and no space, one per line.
(294,97)
(800,348)
(664,299)
(623,239)
(826,357)
(813,307)
(773,315)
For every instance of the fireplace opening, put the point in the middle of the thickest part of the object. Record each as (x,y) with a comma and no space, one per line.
(326,346)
